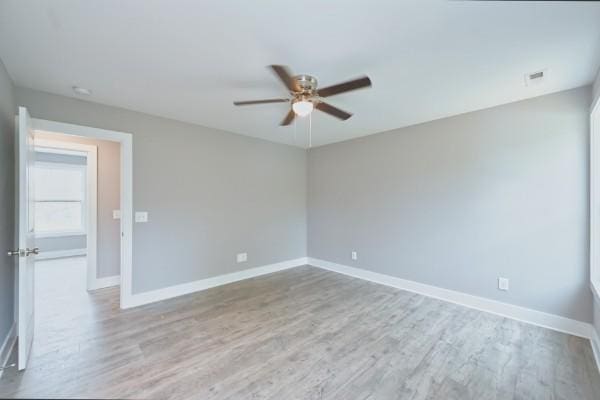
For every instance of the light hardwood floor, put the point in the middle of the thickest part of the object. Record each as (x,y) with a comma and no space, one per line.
(303,333)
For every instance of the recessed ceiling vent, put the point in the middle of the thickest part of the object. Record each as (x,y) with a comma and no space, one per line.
(535,78)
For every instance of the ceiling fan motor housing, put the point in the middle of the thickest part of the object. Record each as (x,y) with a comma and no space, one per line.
(307,83)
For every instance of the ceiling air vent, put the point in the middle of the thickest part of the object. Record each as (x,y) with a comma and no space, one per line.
(535,78)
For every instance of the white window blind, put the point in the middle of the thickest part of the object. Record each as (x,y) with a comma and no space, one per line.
(59,198)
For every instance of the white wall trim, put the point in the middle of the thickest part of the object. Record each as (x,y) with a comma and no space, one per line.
(596,347)
(7,346)
(203,284)
(48,255)
(109,281)
(126,200)
(545,320)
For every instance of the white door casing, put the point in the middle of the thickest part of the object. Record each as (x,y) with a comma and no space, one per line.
(126,141)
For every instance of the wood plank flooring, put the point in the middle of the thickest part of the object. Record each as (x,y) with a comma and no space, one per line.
(303,333)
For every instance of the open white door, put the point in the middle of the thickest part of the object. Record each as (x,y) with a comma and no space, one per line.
(27,249)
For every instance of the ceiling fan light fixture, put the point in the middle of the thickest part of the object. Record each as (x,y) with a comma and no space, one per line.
(302,107)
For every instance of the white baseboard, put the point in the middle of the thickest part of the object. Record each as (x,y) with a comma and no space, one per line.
(101,283)
(47,255)
(203,284)
(539,318)
(7,346)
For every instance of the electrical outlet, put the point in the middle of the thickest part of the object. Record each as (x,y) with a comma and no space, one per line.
(141,216)
(354,255)
(242,257)
(503,284)
(116,214)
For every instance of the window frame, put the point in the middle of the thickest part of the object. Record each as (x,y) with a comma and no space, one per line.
(84,201)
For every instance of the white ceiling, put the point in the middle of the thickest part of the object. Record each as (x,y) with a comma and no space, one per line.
(188,60)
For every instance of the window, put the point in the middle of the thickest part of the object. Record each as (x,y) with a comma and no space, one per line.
(59,198)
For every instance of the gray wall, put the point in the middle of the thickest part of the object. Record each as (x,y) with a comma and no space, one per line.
(458,202)
(7,197)
(210,194)
(58,243)
(109,188)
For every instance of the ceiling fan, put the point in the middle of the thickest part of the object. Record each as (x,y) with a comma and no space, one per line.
(305,95)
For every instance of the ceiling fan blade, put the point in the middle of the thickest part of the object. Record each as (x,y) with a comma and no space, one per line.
(267,101)
(345,87)
(331,110)
(288,118)
(286,77)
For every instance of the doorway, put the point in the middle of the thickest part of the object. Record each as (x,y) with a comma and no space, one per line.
(72,213)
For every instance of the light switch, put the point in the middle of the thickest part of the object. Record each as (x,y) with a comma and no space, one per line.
(116,214)
(141,216)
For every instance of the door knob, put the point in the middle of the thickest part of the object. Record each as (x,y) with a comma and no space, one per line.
(17,252)
(29,252)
